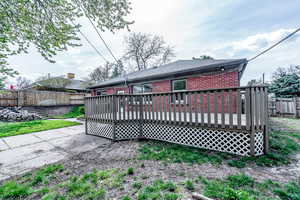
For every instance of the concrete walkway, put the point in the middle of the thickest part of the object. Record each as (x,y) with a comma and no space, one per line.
(22,153)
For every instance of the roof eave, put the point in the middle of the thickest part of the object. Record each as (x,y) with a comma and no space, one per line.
(211,68)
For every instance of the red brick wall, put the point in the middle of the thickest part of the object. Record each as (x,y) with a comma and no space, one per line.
(162,86)
(114,90)
(222,80)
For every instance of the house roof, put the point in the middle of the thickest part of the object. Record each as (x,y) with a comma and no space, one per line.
(72,84)
(175,69)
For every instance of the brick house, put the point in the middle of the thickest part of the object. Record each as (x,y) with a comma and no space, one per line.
(176,76)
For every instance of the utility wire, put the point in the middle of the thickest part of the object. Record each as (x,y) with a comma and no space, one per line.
(111,53)
(92,45)
(96,29)
(268,49)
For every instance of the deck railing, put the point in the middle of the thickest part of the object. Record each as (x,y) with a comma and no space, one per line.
(242,109)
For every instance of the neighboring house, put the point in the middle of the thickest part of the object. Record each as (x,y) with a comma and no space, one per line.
(61,83)
(182,75)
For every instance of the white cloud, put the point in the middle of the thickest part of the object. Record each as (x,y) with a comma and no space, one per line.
(256,42)
(183,24)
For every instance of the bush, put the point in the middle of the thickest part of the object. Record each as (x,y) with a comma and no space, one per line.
(81,110)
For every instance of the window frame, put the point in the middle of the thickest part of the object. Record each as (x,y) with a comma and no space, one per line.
(181,100)
(143,88)
(101,93)
(120,92)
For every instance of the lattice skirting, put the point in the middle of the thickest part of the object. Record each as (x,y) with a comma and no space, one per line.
(235,142)
(100,129)
(128,130)
(219,140)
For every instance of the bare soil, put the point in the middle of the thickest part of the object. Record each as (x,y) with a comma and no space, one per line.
(122,155)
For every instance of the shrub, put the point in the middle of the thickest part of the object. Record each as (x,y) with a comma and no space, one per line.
(189,185)
(130,171)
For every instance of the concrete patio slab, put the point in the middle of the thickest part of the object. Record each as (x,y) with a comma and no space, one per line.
(27,152)
(21,140)
(3,145)
(16,155)
(51,134)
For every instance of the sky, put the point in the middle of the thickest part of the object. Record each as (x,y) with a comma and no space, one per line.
(222,29)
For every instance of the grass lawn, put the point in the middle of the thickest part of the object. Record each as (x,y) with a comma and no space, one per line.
(56,182)
(18,128)
(76,112)
(111,174)
(283,144)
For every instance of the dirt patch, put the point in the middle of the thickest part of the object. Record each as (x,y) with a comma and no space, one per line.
(124,155)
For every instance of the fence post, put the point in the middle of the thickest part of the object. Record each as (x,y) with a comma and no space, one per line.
(266,127)
(114,115)
(85,114)
(252,133)
(141,121)
(297,107)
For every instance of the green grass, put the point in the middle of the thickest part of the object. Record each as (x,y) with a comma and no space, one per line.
(99,184)
(283,144)
(189,185)
(242,187)
(159,189)
(18,128)
(77,111)
(173,153)
(91,185)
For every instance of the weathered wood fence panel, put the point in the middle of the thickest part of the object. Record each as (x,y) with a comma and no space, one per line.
(39,98)
(284,107)
(8,98)
(232,120)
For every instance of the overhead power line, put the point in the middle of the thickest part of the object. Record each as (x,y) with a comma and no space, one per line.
(110,51)
(92,45)
(96,29)
(271,47)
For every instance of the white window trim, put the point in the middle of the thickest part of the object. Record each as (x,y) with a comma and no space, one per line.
(179,101)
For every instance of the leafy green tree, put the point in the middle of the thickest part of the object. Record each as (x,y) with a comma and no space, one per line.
(50,25)
(286,82)
(5,72)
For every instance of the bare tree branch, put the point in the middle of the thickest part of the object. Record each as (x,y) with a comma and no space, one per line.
(147,50)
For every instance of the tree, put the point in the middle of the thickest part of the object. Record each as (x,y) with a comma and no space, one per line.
(203,57)
(50,25)
(146,50)
(286,82)
(117,70)
(53,82)
(5,72)
(23,83)
(101,73)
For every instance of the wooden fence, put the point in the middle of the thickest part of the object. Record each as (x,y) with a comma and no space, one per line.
(284,107)
(39,98)
(232,120)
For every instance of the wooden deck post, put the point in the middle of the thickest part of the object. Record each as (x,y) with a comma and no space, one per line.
(141,113)
(266,127)
(114,115)
(252,128)
(85,114)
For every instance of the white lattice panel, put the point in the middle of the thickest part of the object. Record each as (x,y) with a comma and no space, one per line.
(235,142)
(100,129)
(259,143)
(129,130)
(218,140)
